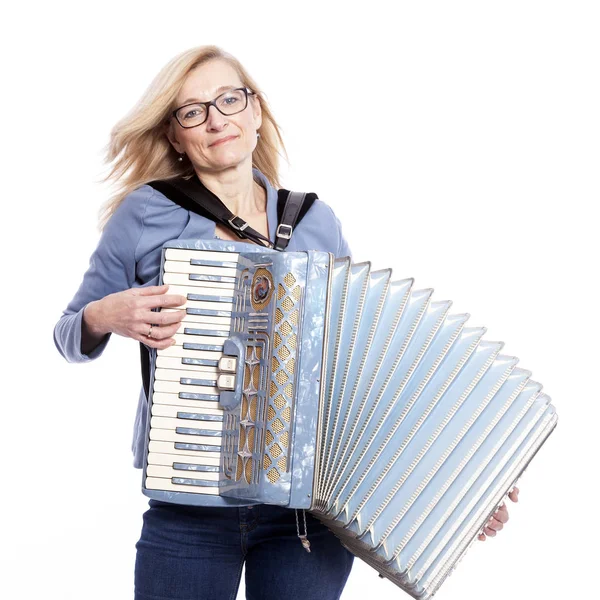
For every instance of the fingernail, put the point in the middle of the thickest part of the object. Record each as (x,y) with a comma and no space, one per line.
(173,342)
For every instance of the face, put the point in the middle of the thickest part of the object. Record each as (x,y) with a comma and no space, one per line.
(221,142)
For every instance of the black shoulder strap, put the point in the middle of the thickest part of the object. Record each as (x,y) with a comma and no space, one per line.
(291,208)
(192,195)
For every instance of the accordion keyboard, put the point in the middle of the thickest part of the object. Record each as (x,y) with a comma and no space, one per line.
(186,419)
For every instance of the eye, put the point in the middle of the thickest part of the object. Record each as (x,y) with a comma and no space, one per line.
(193,112)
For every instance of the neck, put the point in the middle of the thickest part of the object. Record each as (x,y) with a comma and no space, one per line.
(237,189)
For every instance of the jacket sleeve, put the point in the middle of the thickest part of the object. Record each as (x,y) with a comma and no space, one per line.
(112,269)
(343,247)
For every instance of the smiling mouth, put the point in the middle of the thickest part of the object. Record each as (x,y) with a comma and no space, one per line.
(224,140)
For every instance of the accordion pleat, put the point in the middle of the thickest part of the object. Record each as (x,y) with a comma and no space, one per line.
(424,428)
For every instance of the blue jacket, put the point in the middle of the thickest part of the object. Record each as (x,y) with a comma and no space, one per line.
(129,251)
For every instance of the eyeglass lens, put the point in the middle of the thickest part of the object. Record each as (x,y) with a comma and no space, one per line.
(229,103)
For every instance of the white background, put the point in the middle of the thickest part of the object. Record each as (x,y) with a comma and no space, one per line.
(458,142)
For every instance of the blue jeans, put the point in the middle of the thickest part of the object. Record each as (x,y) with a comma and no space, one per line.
(196,553)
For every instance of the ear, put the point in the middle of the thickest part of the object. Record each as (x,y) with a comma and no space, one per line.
(256,111)
(170,133)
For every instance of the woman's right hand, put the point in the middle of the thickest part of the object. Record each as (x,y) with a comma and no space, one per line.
(129,313)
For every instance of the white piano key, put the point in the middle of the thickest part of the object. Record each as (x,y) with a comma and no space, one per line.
(170,435)
(177,374)
(187,255)
(180,351)
(206,304)
(168,449)
(174,387)
(164,471)
(216,322)
(157,458)
(190,338)
(168,410)
(216,293)
(181,280)
(182,267)
(175,400)
(208,323)
(166,363)
(157,483)
(170,423)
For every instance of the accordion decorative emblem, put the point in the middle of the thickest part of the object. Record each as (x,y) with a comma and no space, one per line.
(309,382)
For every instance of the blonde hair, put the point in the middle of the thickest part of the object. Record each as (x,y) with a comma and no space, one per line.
(140,150)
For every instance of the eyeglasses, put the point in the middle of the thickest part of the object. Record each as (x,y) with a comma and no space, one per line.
(228,103)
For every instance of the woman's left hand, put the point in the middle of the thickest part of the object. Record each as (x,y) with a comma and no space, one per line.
(496,523)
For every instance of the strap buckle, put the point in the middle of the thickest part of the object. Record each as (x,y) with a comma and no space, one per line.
(287,235)
(240,225)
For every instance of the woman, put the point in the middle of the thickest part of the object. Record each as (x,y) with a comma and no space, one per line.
(203,114)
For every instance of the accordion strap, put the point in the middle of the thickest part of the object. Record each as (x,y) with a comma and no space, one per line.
(193,195)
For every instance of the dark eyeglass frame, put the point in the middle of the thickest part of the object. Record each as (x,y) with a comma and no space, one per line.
(246,91)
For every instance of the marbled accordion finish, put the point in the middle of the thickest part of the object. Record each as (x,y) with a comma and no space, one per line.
(349,394)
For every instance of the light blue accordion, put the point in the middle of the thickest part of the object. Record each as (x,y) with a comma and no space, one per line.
(309,382)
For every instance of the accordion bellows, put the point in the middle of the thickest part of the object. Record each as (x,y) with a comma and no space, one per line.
(310,382)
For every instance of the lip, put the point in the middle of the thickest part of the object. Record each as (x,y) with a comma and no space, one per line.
(224,140)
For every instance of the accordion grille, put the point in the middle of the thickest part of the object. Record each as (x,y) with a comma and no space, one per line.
(273,475)
(253,409)
(283,366)
(248,470)
(251,439)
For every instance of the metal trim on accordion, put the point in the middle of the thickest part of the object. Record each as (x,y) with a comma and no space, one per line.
(309,382)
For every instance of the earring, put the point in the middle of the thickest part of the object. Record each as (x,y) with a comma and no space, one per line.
(180,159)
(257,134)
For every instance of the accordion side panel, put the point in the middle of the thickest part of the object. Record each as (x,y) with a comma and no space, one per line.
(309,381)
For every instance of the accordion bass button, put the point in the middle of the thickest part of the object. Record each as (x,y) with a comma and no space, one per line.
(226,382)
(227,364)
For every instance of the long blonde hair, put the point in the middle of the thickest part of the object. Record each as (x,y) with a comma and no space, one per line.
(139,149)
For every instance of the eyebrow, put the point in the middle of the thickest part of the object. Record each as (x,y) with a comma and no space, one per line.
(218,91)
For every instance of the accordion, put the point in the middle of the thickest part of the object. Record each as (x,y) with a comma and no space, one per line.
(310,382)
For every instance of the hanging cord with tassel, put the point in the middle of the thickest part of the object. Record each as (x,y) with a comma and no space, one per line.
(303,537)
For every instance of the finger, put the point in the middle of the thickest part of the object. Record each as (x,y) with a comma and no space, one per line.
(495,524)
(149,290)
(514,494)
(502,514)
(489,532)
(169,317)
(159,333)
(158,344)
(481,537)
(161,301)
(169,300)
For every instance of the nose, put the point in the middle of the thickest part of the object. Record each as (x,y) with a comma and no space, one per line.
(215,121)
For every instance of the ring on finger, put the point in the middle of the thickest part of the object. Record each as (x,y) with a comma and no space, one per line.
(149,334)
